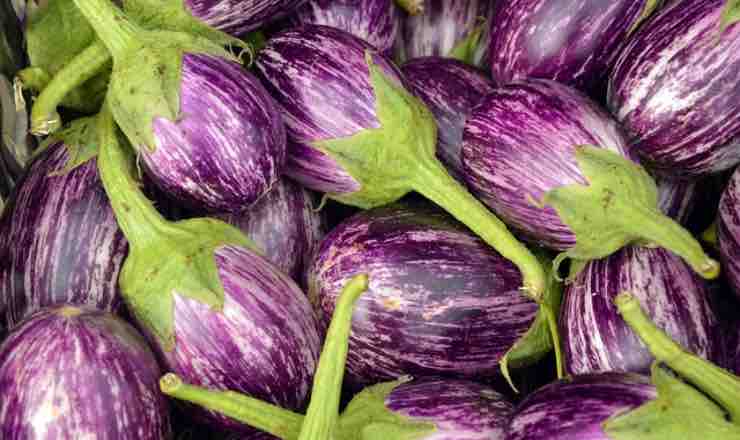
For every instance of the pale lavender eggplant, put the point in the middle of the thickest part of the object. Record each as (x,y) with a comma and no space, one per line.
(264,343)
(459,409)
(574,409)
(238,17)
(596,338)
(228,148)
(519,143)
(440,300)
(677,198)
(375,21)
(59,240)
(676,91)
(71,373)
(574,42)
(728,231)
(450,88)
(284,225)
(320,79)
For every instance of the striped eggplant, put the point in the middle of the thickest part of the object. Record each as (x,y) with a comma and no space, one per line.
(77,373)
(555,166)
(677,198)
(284,225)
(440,300)
(728,231)
(574,42)
(574,409)
(235,17)
(358,135)
(596,339)
(375,21)
(59,241)
(450,88)
(676,91)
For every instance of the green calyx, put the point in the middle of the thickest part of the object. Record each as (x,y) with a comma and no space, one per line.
(165,258)
(466,49)
(619,206)
(647,10)
(412,7)
(730,14)
(80,139)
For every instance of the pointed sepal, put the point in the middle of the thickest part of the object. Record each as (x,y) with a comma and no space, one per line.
(730,14)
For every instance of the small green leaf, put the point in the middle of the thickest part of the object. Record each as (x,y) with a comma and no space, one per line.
(730,14)
(81,141)
(466,48)
(647,10)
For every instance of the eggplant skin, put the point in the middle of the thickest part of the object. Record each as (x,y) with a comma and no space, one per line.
(520,142)
(596,338)
(450,88)
(73,373)
(574,409)
(675,89)
(440,301)
(238,17)
(677,198)
(460,409)
(728,232)
(59,240)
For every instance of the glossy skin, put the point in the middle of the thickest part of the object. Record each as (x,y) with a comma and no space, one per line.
(575,409)
(677,198)
(450,89)
(375,21)
(675,90)
(69,373)
(728,232)
(59,241)
(223,159)
(439,301)
(238,17)
(519,143)
(573,42)
(596,338)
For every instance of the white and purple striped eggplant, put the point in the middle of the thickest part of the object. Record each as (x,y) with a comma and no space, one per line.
(677,198)
(375,21)
(574,42)
(440,301)
(596,339)
(285,227)
(554,165)
(450,88)
(75,373)
(59,241)
(728,231)
(676,89)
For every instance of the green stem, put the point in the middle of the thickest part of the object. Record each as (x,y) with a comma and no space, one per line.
(709,236)
(248,410)
(323,411)
(413,7)
(434,182)
(552,324)
(116,31)
(33,78)
(44,117)
(466,48)
(716,382)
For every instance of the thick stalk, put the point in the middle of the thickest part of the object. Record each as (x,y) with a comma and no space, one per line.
(265,416)
(714,381)
(110,24)
(434,182)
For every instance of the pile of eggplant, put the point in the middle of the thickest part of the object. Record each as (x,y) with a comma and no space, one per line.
(370,219)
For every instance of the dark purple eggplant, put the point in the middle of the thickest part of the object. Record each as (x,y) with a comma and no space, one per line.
(574,42)
(677,198)
(596,339)
(233,17)
(284,225)
(75,373)
(375,21)
(450,88)
(676,89)
(59,241)
(555,166)
(728,231)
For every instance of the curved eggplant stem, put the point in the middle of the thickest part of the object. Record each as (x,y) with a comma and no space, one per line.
(413,7)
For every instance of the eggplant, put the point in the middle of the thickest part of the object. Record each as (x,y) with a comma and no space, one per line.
(358,135)
(574,42)
(233,17)
(375,21)
(675,89)
(677,198)
(285,227)
(440,301)
(59,241)
(74,373)
(728,231)
(450,88)
(555,166)
(596,339)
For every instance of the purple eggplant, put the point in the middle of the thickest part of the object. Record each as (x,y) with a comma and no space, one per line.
(284,225)
(675,89)
(440,300)
(555,166)
(235,17)
(575,409)
(450,88)
(728,231)
(75,373)
(375,21)
(596,339)
(677,198)
(59,241)
(574,42)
